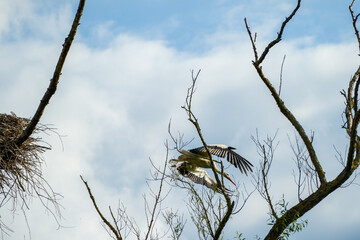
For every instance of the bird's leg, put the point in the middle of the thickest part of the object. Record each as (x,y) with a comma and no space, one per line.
(176,160)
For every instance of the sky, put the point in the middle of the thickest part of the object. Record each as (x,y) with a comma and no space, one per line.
(126,76)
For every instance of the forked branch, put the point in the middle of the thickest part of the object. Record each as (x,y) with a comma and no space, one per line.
(354,21)
(283,109)
(266,151)
(352,122)
(157,198)
(258,61)
(113,229)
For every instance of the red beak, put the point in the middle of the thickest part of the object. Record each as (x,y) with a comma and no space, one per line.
(231,180)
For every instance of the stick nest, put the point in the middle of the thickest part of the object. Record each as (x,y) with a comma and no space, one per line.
(20,166)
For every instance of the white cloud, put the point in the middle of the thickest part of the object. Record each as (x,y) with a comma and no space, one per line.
(113,105)
(8,9)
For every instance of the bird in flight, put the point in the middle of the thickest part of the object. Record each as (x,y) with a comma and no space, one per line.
(199,158)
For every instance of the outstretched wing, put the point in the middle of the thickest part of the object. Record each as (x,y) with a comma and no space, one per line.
(227,152)
(198,177)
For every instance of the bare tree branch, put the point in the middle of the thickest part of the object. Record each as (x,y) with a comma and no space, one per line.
(21,176)
(55,79)
(266,150)
(175,222)
(253,40)
(194,121)
(354,21)
(281,71)
(112,228)
(352,114)
(157,197)
(192,118)
(278,39)
(284,110)
(125,224)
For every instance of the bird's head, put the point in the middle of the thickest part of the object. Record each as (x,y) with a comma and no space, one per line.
(229,178)
(182,169)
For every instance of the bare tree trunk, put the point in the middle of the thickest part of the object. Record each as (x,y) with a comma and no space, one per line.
(352,114)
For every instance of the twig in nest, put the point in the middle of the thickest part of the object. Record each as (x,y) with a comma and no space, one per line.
(20,166)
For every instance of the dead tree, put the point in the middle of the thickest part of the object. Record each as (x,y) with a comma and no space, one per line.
(352,113)
(210,210)
(122,225)
(20,147)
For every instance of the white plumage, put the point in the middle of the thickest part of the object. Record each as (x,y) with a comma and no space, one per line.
(198,176)
(200,161)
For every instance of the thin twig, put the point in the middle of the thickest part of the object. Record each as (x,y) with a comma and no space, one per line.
(266,151)
(278,39)
(355,18)
(253,40)
(112,228)
(353,158)
(281,71)
(114,219)
(194,121)
(284,110)
(157,198)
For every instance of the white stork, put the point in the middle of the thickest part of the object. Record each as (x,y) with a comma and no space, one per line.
(197,175)
(198,157)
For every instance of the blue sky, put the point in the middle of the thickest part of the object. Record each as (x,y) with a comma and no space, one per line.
(183,22)
(126,76)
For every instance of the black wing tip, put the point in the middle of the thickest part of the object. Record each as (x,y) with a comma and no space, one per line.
(194,150)
(227,152)
(222,146)
(211,146)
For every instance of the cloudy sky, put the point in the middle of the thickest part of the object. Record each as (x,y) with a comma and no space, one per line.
(126,76)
